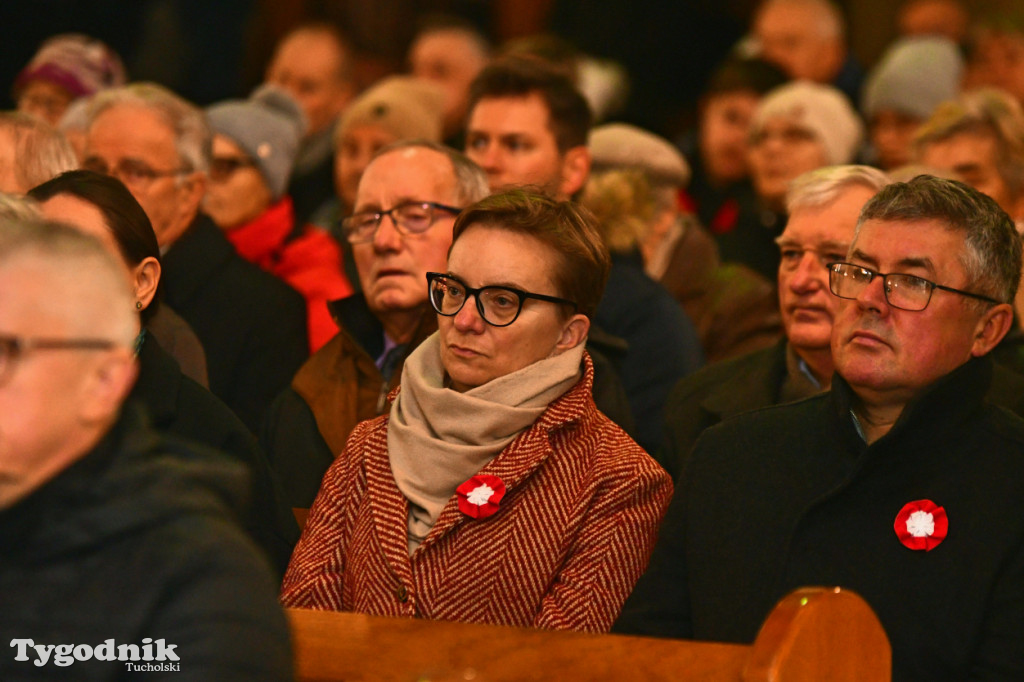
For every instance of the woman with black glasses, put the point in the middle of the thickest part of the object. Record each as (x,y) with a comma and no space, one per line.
(494,491)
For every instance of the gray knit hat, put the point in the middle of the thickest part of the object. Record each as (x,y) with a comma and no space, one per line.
(620,145)
(914,76)
(268,127)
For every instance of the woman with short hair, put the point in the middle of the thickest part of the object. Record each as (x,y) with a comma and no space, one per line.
(494,491)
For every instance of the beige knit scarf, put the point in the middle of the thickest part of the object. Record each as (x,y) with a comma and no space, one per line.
(438,438)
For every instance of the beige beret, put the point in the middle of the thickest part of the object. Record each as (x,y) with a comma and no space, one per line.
(409,108)
(620,145)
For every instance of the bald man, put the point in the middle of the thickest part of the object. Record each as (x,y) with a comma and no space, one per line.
(112,539)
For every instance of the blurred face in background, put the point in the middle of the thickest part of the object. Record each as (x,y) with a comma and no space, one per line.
(997,61)
(451,58)
(237,194)
(137,146)
(354,150)
(310,65)
(892,134)
(44,100)
(780,151)
(724,134)
(973,158)
(801,38)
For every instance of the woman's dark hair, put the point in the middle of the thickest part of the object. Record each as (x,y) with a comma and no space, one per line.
(128,222)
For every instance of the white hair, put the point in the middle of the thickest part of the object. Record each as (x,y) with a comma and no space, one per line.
(40,151)
(823,186)
(192,137)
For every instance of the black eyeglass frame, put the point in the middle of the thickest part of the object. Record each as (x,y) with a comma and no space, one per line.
(349,231)
(932,286)
(521,296)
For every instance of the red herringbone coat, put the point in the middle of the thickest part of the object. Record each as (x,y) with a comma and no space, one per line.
(571,537)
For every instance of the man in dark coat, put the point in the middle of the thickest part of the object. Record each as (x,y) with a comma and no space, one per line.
(252,326)
(112,539)
(901,483)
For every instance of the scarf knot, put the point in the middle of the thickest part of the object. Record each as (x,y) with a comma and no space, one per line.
(438,438)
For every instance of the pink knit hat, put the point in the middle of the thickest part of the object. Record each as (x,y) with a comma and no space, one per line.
(76,62)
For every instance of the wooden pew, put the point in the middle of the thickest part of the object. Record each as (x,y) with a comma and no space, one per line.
(813,634)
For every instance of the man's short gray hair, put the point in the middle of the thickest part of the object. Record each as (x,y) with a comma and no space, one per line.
(823,186)
(86,265)
(992,254)
(985,111)
(192,136)
(40,151)
(470,180)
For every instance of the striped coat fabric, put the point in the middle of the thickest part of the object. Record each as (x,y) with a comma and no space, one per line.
(569,540)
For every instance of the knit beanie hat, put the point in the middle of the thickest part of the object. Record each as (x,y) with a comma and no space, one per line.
(407,107)
(620,145)
(76,62)
(822,110)
(914,76)
(267,127)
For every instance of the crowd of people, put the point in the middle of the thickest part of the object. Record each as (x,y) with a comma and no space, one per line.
(457,345)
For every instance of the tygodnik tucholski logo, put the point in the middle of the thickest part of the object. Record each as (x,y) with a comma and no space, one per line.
(153,655)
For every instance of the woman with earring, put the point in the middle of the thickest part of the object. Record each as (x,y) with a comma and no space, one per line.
(494,491)
(102,206)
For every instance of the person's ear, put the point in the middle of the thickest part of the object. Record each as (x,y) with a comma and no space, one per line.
(575,170)
(991,327)
(108,385)
(145,279)
(574,332)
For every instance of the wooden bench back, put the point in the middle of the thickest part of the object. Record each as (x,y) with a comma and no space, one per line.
(813,634)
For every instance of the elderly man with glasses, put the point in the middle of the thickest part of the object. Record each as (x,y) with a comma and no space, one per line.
(405,208)
(112,536)
(901,483)
(252,326)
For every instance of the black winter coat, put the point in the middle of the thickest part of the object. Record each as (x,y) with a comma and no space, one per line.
(252,325)
(139,539)
(791,496)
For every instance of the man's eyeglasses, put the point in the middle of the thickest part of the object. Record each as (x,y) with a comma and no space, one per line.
(223,167)
(498,306)
(410,217)
(12,348)
(133,173)
(906,292)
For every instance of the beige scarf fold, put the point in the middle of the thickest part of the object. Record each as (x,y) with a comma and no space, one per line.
(438,438)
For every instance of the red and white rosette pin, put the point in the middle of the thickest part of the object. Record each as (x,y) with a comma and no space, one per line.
(480,495)
(921,525)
